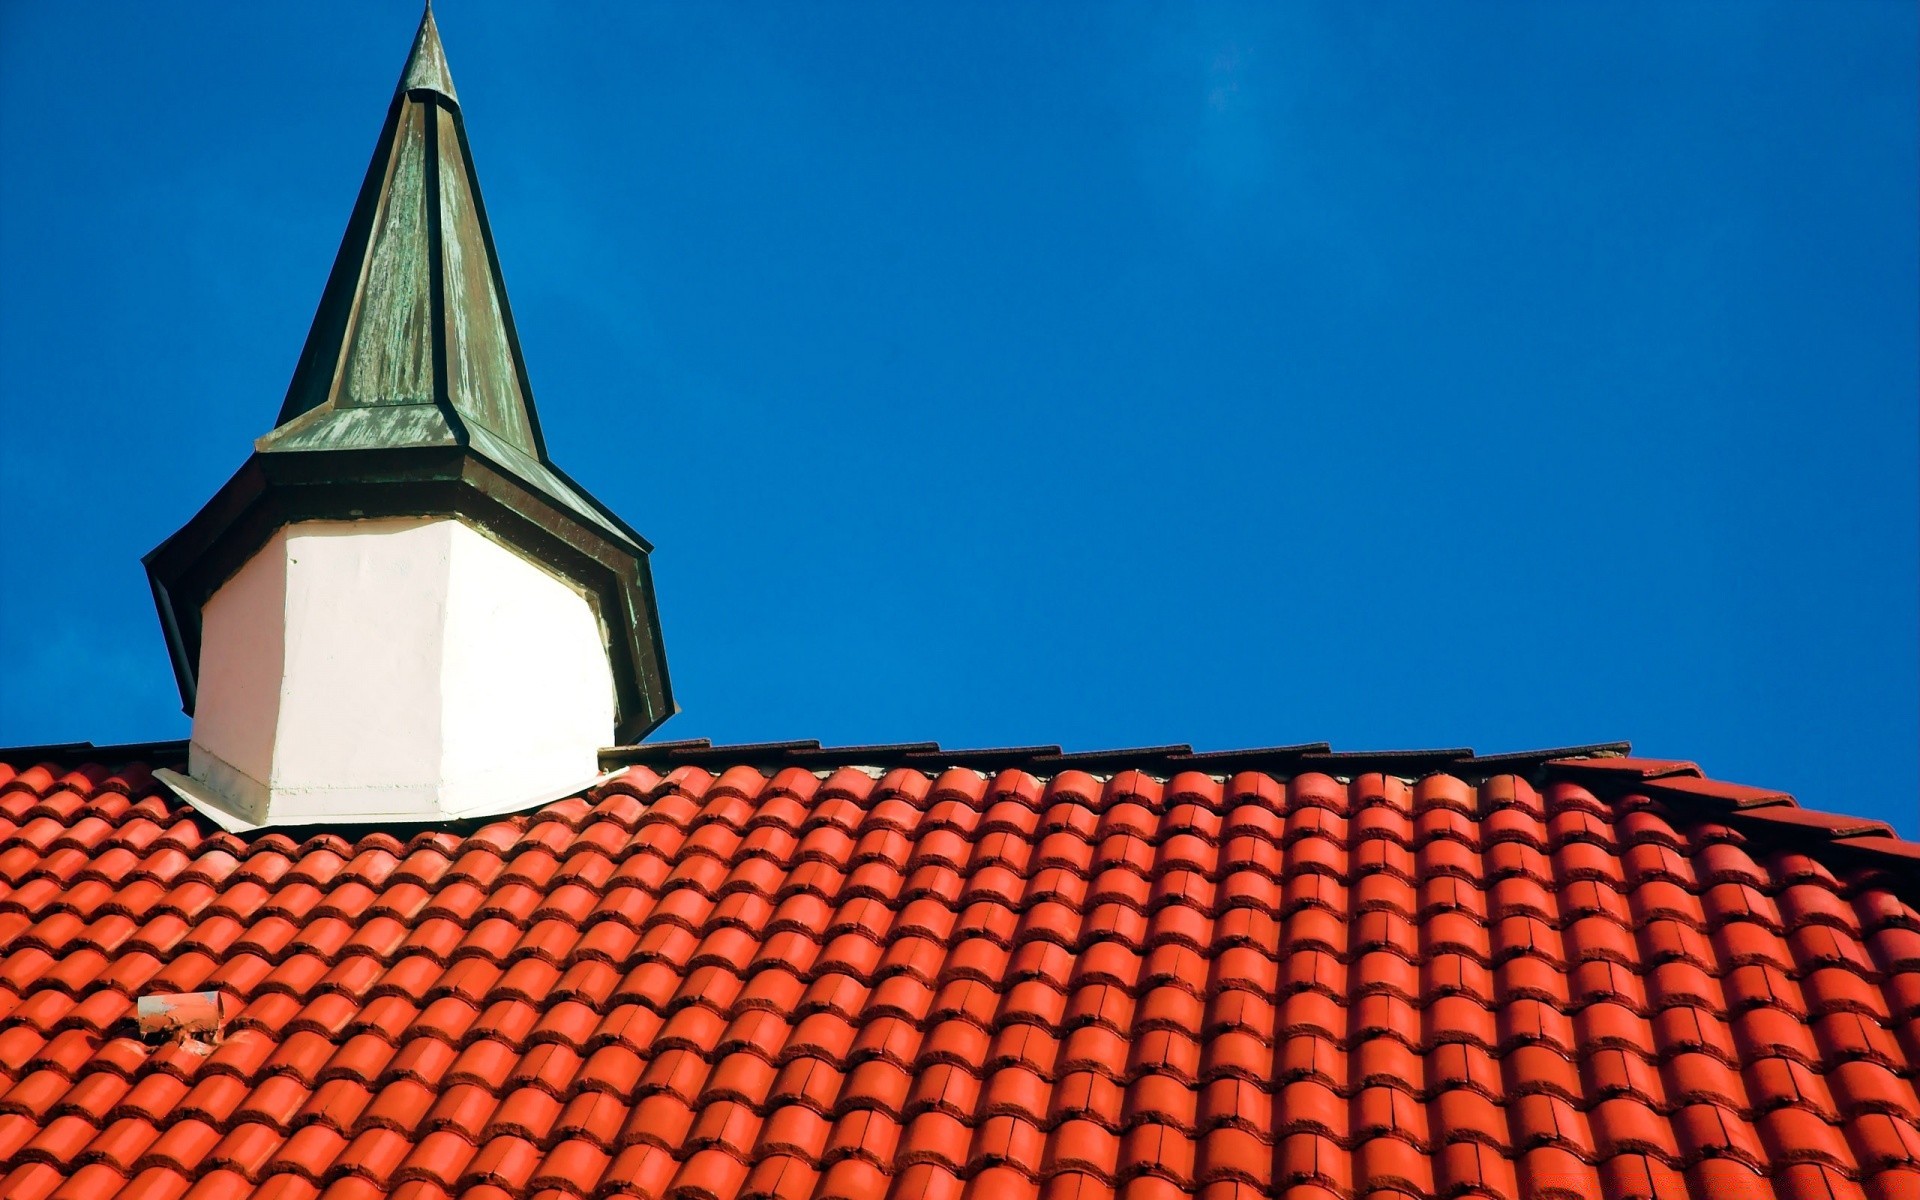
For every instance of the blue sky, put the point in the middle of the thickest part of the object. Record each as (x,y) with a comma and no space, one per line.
(1397,376)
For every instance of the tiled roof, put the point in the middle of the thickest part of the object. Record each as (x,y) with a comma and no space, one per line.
(896,971)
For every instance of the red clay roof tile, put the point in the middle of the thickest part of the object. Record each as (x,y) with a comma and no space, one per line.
(1583,977)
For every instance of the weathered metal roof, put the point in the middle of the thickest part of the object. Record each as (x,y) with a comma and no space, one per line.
(411,399)
(413,344)
(427,62)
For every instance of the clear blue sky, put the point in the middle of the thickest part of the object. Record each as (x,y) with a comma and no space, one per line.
(1398,376)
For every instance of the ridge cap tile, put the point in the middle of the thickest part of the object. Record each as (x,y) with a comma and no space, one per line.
(1734,795)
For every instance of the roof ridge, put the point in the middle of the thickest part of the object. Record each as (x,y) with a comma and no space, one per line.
(1170,758)
(1766,813)
(1608,768)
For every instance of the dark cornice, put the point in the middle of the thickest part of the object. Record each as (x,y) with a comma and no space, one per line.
(277,489)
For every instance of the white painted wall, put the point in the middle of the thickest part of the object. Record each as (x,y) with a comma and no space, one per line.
(240,670)
(407,669)
(518,638)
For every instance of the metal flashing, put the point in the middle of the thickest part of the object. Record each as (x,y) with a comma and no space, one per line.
(210,805)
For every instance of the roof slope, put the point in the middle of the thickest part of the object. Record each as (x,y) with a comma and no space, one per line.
(1594,976)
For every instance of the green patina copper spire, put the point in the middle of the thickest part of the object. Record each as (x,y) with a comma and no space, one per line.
(414,344)
(427,62)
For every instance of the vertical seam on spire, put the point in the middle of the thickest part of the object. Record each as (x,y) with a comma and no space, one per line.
(436,283)
(390,134)
(516,358)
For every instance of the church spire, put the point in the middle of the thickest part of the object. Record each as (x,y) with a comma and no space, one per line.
(413,343)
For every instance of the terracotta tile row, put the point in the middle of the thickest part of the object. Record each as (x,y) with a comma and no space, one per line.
(820,1164)
(1732,935)
(466,1119)
(693,890)
(974,805)
(714,857)
(973,802)
(1452,996)
(1238,1034)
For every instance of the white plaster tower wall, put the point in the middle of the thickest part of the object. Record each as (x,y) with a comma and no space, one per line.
(406,669)
(515,627)
(241,659)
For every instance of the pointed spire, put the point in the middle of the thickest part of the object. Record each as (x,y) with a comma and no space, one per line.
(410,400)
(413,344)
(426,68)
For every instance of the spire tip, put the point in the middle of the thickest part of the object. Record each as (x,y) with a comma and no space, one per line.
(426,68)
